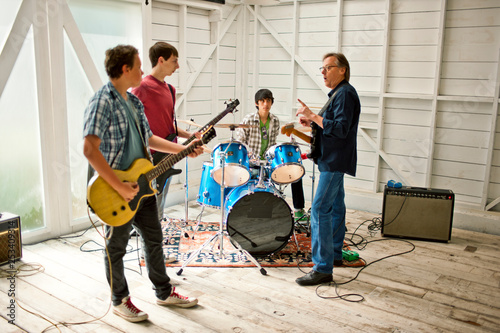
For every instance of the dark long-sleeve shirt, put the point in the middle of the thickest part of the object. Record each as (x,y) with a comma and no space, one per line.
(336,141)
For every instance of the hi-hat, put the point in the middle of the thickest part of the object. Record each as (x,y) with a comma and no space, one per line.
(232,126)
(189,122)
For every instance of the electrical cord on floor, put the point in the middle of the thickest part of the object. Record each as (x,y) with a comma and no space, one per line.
(99,248)
(374,226)
(36,268)
(361,297)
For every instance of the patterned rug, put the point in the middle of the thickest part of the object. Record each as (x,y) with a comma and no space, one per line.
(181,242)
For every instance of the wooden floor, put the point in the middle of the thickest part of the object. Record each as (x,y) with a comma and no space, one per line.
(438,287)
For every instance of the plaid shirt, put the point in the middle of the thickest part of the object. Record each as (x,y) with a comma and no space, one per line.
(106,117)
(251,137)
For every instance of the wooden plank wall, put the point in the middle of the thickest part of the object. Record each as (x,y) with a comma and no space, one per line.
(426,72)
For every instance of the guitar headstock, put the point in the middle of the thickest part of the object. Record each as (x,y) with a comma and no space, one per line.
(287,129)
(232,106)
(208,135)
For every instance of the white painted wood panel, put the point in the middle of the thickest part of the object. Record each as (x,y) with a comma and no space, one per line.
(417,21)
(413,52)
(410,85)
(363,7)
(467,171)
(318,9)
(462,138)
(450,152)
(372,23)
(468,70)
(363,38)
(410,6)
(403,147)
(427,36)
(479,17)
(471,39)
(410,117)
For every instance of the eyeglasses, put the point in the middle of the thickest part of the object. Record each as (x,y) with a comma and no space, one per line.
(264,132)
(327,68)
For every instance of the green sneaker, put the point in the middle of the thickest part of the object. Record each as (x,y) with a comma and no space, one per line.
(299,213)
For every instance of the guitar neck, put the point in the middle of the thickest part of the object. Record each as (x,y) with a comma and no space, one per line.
(210,123)
(168,162)
(301,135)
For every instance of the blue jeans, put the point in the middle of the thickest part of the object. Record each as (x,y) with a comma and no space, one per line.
(328,221)
(147,225)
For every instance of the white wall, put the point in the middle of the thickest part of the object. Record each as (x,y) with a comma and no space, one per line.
(426,71)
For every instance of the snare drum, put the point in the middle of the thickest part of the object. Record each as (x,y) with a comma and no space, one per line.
(258,219)
(286,163)
(235,164)
(209,192)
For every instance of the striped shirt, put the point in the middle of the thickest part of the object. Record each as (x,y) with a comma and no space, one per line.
(251,137)
(106,118)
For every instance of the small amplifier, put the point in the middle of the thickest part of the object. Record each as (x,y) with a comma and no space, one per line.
(418,213)
(10,238)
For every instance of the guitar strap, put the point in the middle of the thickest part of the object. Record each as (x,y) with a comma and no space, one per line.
(312,154)
(175,116)
(323,109)
(146,153)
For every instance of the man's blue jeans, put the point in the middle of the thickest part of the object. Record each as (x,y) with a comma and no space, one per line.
(147,225)
(328,221)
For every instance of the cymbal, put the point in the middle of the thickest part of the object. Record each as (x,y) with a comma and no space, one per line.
(188,122)
(232,126)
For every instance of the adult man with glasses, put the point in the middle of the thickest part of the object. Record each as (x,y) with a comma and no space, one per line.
(262,136)
(334,150)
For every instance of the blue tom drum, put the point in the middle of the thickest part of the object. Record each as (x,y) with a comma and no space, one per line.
(236,171)
(286,163)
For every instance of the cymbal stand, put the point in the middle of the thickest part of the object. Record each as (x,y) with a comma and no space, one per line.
(219,235)
(186,193)
(183,223)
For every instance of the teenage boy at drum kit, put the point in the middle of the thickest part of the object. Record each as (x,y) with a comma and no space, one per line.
(256,170)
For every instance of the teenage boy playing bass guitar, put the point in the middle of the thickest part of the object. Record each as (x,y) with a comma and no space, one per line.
(116,133)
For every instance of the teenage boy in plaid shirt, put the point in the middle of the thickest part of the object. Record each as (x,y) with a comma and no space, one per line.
(263,135)
(116,133)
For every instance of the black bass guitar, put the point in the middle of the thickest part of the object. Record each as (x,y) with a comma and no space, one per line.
(160,181)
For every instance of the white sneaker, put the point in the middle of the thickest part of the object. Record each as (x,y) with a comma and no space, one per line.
(128,311)
(178,300)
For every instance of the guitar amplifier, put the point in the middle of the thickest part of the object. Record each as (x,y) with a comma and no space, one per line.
(418,213)
(10,238)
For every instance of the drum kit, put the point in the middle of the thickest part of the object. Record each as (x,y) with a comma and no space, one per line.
(255,217)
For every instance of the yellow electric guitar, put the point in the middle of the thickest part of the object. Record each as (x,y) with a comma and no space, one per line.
(110,206)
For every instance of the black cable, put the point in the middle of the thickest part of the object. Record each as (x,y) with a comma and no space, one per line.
(76,236)
(361,298)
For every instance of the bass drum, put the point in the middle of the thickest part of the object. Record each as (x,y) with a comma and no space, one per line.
(258,219)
